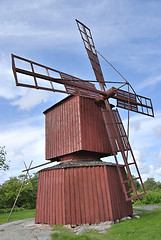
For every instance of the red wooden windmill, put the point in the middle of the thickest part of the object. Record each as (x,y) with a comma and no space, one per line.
(80,130)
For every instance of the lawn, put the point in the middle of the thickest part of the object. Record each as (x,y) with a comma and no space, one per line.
(17,216)
(147,227)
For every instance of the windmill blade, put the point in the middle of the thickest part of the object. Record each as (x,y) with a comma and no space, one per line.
(92,54)
(79,90)
(134,102)
(36,72)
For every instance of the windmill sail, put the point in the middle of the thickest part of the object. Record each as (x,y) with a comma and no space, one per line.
(90,48)
(65,83)
(134,102)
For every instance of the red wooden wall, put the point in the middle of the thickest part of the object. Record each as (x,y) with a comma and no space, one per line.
(75,124)
(77,195)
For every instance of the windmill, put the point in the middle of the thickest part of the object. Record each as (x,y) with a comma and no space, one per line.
(46,78)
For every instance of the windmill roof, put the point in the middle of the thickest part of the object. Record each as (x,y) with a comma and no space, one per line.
(72,164)
(58,103)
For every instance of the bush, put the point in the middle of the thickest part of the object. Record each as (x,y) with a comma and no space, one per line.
(152,197)
(8,210)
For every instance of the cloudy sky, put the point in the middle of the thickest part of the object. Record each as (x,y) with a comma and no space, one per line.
(127,33)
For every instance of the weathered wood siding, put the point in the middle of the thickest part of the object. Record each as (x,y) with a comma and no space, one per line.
(81,195)
(75,124)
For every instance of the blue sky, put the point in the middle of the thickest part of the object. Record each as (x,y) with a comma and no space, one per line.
(127,33)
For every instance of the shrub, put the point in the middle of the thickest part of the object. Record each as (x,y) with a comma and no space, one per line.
(152,197)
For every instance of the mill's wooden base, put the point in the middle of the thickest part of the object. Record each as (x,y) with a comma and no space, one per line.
(80,192)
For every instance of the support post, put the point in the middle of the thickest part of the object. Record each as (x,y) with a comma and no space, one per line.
(19,192)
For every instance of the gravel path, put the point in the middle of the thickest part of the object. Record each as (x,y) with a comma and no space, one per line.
(25,230)
(148,207)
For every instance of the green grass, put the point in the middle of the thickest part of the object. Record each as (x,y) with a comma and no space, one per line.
(146,228)
(17,216)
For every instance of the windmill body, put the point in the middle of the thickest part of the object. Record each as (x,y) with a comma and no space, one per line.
(81,188)
(80,130)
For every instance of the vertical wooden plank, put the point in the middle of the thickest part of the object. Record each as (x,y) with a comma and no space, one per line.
(57,203)
(37,215)
(42,209)
(91,196)
(72,197)
(81,192)
(110,209)
(86,194)
(104,194)
(48,197)
(111,181)
(99,194)
(43,206)
(116,191)
(63,198)
(67,197)
(121,198)
(77,196)
(51,197)
(54,198)
(95,197)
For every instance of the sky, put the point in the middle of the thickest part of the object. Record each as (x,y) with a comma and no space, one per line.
(127,33)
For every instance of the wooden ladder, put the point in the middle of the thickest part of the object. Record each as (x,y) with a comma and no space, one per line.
(120,143)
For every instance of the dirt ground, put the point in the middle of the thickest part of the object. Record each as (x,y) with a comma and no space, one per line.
(25,230)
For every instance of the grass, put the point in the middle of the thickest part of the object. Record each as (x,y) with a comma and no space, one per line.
(146,228)
(17,216)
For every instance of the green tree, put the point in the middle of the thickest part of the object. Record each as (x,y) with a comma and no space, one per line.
(10,189)
(3,165)
(149,184)
(8,192)
(157,186)
(136,183)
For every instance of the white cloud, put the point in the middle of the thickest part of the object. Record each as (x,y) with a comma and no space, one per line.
(24,98)
(157,131)
(31,99)
(150,82)
(23,141)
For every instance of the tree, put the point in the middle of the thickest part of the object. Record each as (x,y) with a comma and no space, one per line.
(136,183)
(149,184)
(157,187)
(3,165)
(10,188)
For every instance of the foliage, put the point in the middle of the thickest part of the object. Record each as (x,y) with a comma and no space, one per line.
(136,182)
(145,228)
(10,189)
(8,210)
(157,186)
(3,165)
(17,215)
(149,184)
(151,197)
